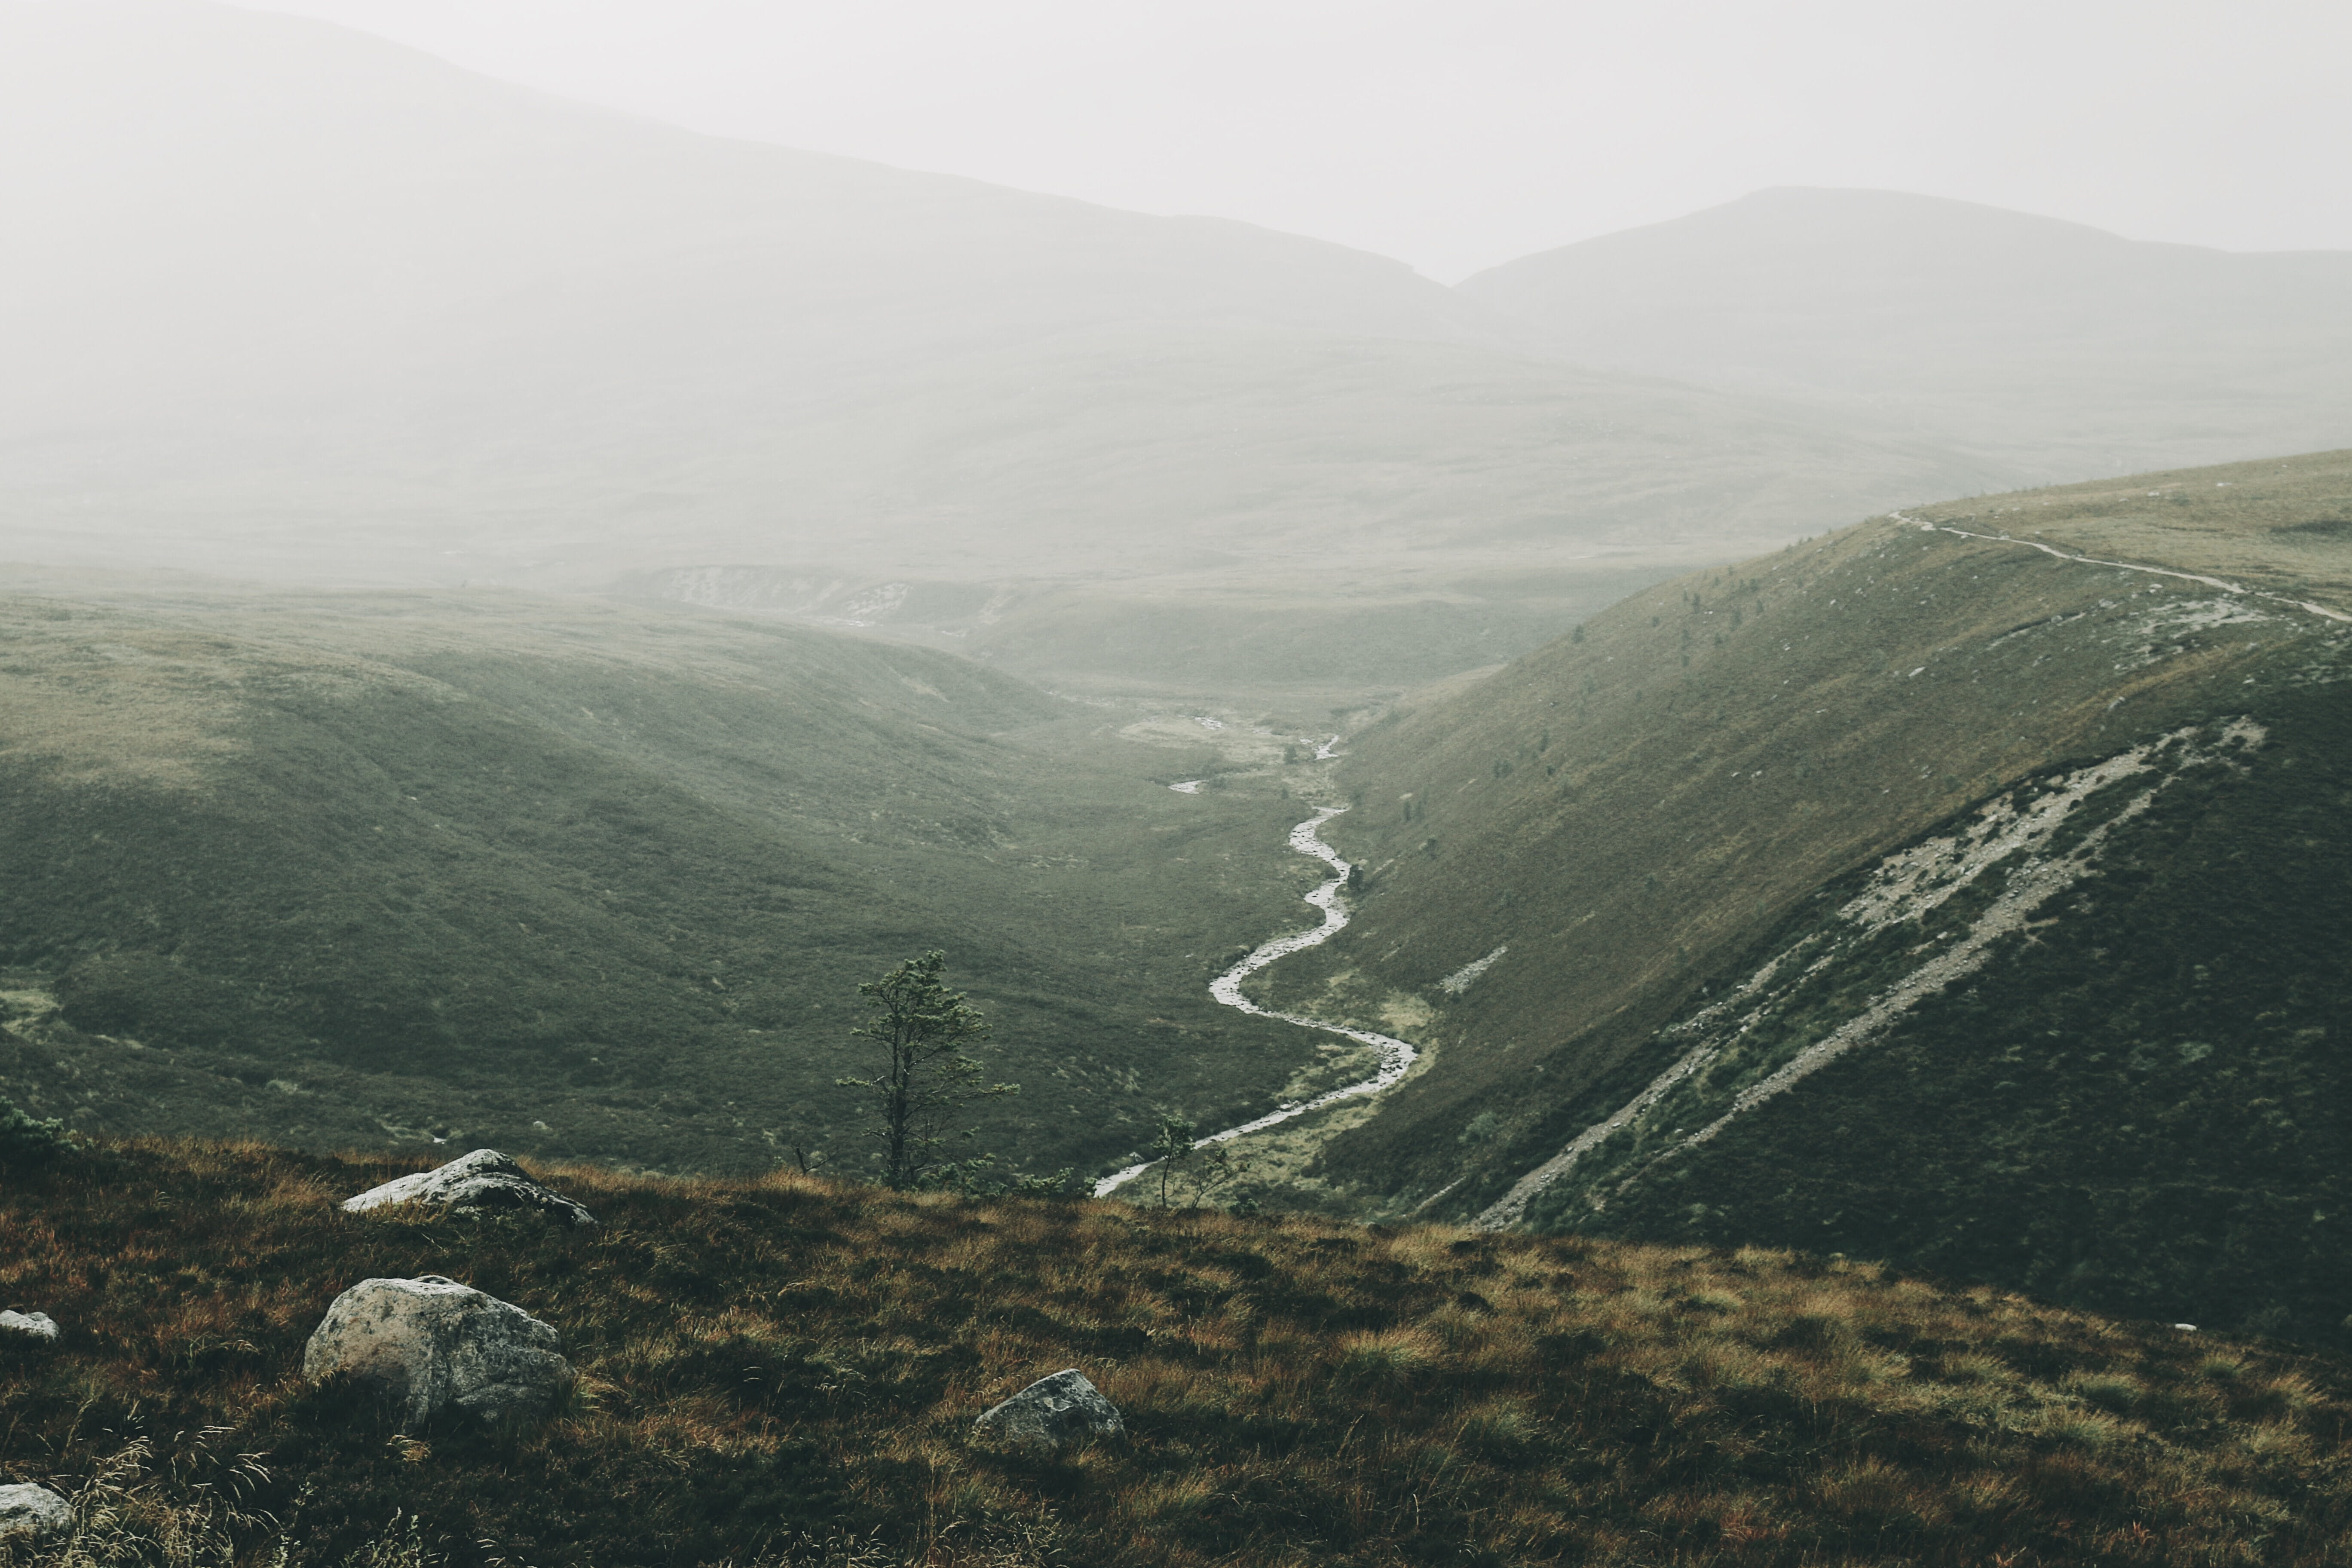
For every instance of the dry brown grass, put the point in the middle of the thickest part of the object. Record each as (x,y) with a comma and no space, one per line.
(784,1371)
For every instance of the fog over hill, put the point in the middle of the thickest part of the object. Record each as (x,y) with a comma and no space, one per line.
(289,300)
(284,298)
(2063,349)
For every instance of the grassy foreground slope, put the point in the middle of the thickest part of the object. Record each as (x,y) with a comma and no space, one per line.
(780,1370)
(2090,1021)
(354,869)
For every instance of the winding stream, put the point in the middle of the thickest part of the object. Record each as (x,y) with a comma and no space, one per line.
(1396,1056)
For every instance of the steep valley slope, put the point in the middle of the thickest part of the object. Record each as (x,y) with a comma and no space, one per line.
(1967,888)
(358,871)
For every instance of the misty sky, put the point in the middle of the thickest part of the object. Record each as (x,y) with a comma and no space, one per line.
(1458,133)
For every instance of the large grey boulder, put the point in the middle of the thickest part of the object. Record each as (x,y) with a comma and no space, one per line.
(1054,1412)
(473,1183)
(35,1511)
(439,1343)
(27,1330)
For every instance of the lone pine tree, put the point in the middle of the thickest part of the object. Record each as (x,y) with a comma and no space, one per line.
(922,1029)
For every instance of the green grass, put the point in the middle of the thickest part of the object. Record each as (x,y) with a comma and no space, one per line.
(771,1364)
(1641,813)
(2135,1111)
(346,870)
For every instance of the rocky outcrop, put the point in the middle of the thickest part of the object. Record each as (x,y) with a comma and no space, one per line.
(1053,1413)
(478,1183)
(437,1343)
(27,1330)
(33,1512)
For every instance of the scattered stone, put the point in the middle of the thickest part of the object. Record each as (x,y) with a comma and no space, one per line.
(1054,1412)
(27,1328)
(35,1511)
(441,1343)
(473,1183)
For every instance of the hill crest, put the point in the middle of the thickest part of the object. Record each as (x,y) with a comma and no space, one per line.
(1644,815)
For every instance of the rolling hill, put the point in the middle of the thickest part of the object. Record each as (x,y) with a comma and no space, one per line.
(1966,888)
(360,869)
(2056,347)
(287,300)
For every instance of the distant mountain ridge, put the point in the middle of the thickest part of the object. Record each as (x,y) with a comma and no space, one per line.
(284,297)
(2062,347)
(280,209)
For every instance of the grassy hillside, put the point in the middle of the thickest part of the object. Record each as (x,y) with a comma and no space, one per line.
(2098,1058)
(784,1371)
(2055,347)
(2139,1105)
(354,869)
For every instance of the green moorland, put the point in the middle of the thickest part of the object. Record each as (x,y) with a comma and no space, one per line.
(346,870)
(780,1370)
(2106,1065)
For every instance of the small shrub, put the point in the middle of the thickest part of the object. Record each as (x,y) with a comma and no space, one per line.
(25,1142)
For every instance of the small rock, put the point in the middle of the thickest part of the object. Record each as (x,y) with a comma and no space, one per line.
(35,1511)
(37,1329)
(1053,1412)
(471,1183)
(441,1343)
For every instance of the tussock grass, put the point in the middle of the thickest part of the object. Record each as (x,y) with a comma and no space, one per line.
(782,1371)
